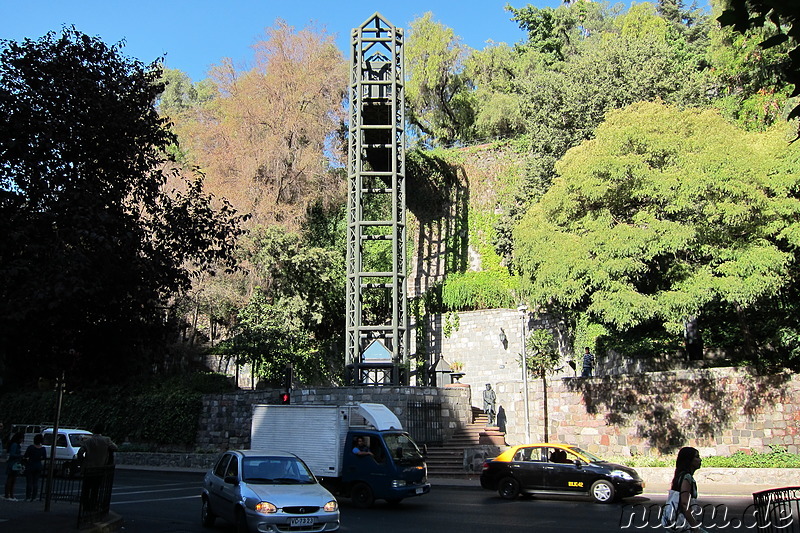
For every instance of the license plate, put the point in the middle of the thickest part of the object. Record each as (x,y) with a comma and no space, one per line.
(420,490)
(306,521)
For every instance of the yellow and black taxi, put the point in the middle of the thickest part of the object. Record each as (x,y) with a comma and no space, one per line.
(548,468)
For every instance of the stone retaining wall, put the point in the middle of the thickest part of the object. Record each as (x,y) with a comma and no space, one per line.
(226,418)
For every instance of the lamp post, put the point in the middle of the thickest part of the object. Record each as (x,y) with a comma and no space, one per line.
(523,311)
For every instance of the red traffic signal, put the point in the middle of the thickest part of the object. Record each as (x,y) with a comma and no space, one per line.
(285,398)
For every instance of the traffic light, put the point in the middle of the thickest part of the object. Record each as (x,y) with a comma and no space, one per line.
(287,377)
(285,398)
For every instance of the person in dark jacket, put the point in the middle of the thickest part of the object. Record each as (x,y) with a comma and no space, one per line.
(34,458)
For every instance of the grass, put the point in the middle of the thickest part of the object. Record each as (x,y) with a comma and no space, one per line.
(777,458)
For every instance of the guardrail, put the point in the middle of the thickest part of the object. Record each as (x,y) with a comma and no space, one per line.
(778,510)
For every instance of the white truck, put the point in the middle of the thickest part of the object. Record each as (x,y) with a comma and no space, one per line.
(324,437)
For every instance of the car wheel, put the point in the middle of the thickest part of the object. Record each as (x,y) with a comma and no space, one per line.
(362,496)
(602,491)
(241,522)
(206,516)
(508,488)
(67,470)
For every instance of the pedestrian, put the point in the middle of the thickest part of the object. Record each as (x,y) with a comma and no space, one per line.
(588,363)
(96,454)
(14,465)
(34,457)
(684,490)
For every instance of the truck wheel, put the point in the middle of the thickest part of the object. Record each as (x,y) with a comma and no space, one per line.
(508,488)
(602,491)
(362,496)
(206,516)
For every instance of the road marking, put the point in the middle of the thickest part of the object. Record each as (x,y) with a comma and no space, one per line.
(113,502)
(196,489)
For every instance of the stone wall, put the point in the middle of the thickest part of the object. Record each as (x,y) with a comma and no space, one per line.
(226,418)
(719,411)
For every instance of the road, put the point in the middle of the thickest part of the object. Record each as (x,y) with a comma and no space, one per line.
(168,502)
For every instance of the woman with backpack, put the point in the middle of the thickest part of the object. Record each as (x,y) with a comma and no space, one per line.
(683,491)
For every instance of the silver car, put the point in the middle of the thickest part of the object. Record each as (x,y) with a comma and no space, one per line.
(264,491)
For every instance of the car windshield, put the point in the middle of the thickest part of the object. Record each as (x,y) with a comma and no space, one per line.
(403,449)
(592,457)
(276,470)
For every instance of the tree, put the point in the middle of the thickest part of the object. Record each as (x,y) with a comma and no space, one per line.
(542,361)
(93,244)
(662,216)
(744,15)
(297,315)
(438,96)
(267,137)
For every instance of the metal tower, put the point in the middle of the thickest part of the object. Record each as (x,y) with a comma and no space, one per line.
(377,323)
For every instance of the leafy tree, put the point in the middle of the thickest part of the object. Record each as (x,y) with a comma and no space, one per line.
(662,215)
(93,244)
(542,360)
(297,315)
(744,15)
(438,97)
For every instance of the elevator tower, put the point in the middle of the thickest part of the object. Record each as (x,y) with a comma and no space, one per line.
(377,322)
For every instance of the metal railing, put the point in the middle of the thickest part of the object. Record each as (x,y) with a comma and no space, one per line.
(778,510)
(90,488)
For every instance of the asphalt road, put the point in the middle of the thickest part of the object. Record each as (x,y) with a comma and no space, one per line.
(168,502)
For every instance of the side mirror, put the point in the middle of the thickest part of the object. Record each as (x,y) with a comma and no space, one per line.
(578,463)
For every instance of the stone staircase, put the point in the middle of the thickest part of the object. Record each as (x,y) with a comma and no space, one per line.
(447,460)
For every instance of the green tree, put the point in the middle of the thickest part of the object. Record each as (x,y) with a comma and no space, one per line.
(297,315)
(542,360)
(438,96)
(93,244)
(663,215)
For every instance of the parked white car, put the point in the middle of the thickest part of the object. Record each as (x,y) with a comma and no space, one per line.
(67,445)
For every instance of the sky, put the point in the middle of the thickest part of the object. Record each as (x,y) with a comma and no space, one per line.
(194,35)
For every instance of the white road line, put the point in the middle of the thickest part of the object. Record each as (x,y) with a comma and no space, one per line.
(124,492)
(113,502)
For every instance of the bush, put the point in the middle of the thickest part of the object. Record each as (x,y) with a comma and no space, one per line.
(776,458)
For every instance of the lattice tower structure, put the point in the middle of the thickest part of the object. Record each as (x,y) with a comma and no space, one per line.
(376,214)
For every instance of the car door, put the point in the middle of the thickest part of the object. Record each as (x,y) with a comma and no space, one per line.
(528,468)
(219,492)
(563,474)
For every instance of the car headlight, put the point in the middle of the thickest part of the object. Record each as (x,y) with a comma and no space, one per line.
(266,508)
(330,507)
(621,474)
(398,483)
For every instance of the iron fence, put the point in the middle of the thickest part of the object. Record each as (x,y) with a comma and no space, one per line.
(90,488)
(778,510)
(424,422)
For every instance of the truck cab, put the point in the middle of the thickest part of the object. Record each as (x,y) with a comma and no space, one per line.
(394,468)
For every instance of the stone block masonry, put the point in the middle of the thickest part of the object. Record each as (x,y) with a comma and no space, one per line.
(225,422)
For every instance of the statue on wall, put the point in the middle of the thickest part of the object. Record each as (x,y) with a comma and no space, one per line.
(489,400)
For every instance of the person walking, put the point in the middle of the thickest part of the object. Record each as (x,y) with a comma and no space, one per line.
(588,364)
(13,465)
(34,457)
(683,483)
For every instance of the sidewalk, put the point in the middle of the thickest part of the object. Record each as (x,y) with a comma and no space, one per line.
(30,517)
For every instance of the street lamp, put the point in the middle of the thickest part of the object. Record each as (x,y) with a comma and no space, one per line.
(523,311)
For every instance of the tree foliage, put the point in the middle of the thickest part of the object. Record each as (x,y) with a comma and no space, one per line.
(93,243)
(297,316)
(662,215)
(265,137)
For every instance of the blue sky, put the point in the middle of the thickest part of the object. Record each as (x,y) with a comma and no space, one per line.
(196,34)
